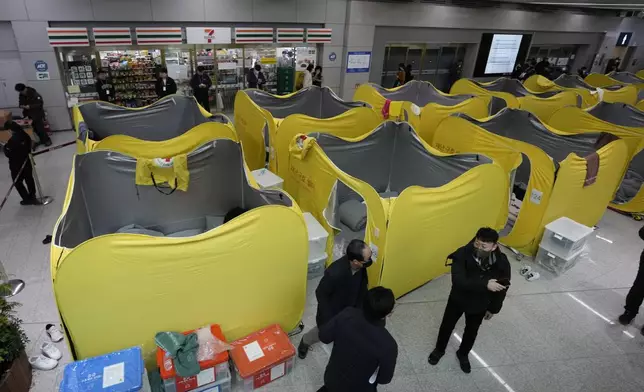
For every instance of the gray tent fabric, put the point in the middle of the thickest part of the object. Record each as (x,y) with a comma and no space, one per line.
(391,159)
(526,127)
(421,94)
(165,119)
(312,101)
(105,197)
(514,87)
(618,113)
(626,77)
(573,81)
(628,116)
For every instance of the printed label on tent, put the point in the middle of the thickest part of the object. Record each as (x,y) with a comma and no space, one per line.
(374,251)
(278,371)
(113,375)
(376,232)
(253,351)
(163,162)
(535,196)
(206,376)
(415,109)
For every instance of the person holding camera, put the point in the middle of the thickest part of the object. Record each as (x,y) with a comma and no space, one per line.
(480,281)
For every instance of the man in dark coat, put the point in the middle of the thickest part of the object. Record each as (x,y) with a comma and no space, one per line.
(165,85)
(480,279)
(17,149)
(200,84)
(343,285)
(104,86)
(364,352)
(31,104)
(635,295)
(255,77)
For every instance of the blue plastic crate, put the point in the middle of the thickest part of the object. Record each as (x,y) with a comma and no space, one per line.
(120,371)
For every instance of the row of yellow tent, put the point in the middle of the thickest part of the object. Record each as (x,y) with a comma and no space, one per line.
(413,156)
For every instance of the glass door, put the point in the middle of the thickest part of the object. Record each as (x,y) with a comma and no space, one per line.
(394,55)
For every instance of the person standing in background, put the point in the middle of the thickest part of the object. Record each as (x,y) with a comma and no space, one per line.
(635,295)
(400,75)
(543,68)
(104,86)
(17,149)
(480,280)
(408,76)
(165,85)
(364,353)
(32,104)
(308,77)
(255,78)
(200,84)
(343,285)
(317,76)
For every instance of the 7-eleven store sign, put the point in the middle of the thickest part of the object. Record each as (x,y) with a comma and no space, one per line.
(208,35)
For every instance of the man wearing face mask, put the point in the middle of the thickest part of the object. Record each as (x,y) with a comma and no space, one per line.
(343,285)
(255,77)
(480,279)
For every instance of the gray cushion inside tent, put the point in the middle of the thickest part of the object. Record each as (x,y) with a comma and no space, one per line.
(514,87)
(105,197)
(573,81)
(165,119)
(312,101)
(626,77)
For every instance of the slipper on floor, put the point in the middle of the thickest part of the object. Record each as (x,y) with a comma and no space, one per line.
(41,362)
(525,270)
(51,351)
(54,333)
(531,276)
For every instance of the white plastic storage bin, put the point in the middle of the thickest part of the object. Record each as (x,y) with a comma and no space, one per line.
(316,267)
(556,264)
(317,237)
(281,370)
(266,179)
(565,237)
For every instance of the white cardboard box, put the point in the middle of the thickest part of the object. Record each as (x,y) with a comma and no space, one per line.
(317,236)
(267,179)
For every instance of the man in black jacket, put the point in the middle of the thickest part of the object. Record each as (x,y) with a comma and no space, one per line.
(165,85)
(364,352)
(480,279)
(31,104)
(17,149)
(104,86)
(635,295)
(343,285)
(200,84)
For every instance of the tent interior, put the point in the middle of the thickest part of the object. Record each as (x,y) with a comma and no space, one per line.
(514,87)
(626,77)
(165,119)
(390,159)
(572,81)
(627,116)
(421,94)
(313,101)
(525,127)
(105,198)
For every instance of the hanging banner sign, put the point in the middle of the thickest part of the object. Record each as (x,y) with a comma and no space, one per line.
(208,35)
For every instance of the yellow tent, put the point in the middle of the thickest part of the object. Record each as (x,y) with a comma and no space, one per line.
(413,204)
(590,94)
(258,116)
(542,104)
(640,74)
(98,122)
(415,100)
(143,246)
(624,122)
(552,180)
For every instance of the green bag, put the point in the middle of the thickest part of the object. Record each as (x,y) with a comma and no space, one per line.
(183,349)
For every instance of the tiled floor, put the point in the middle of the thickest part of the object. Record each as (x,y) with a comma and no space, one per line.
(553,335)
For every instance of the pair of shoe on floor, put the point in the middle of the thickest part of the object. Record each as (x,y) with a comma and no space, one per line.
(31,202)
(50,353)
(530,275)
(463,360)
(627,317)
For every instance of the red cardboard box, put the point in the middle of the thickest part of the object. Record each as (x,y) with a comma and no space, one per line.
(262,357)
(211,371)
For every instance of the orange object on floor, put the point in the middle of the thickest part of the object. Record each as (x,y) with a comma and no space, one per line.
(211,370)
(263,356)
